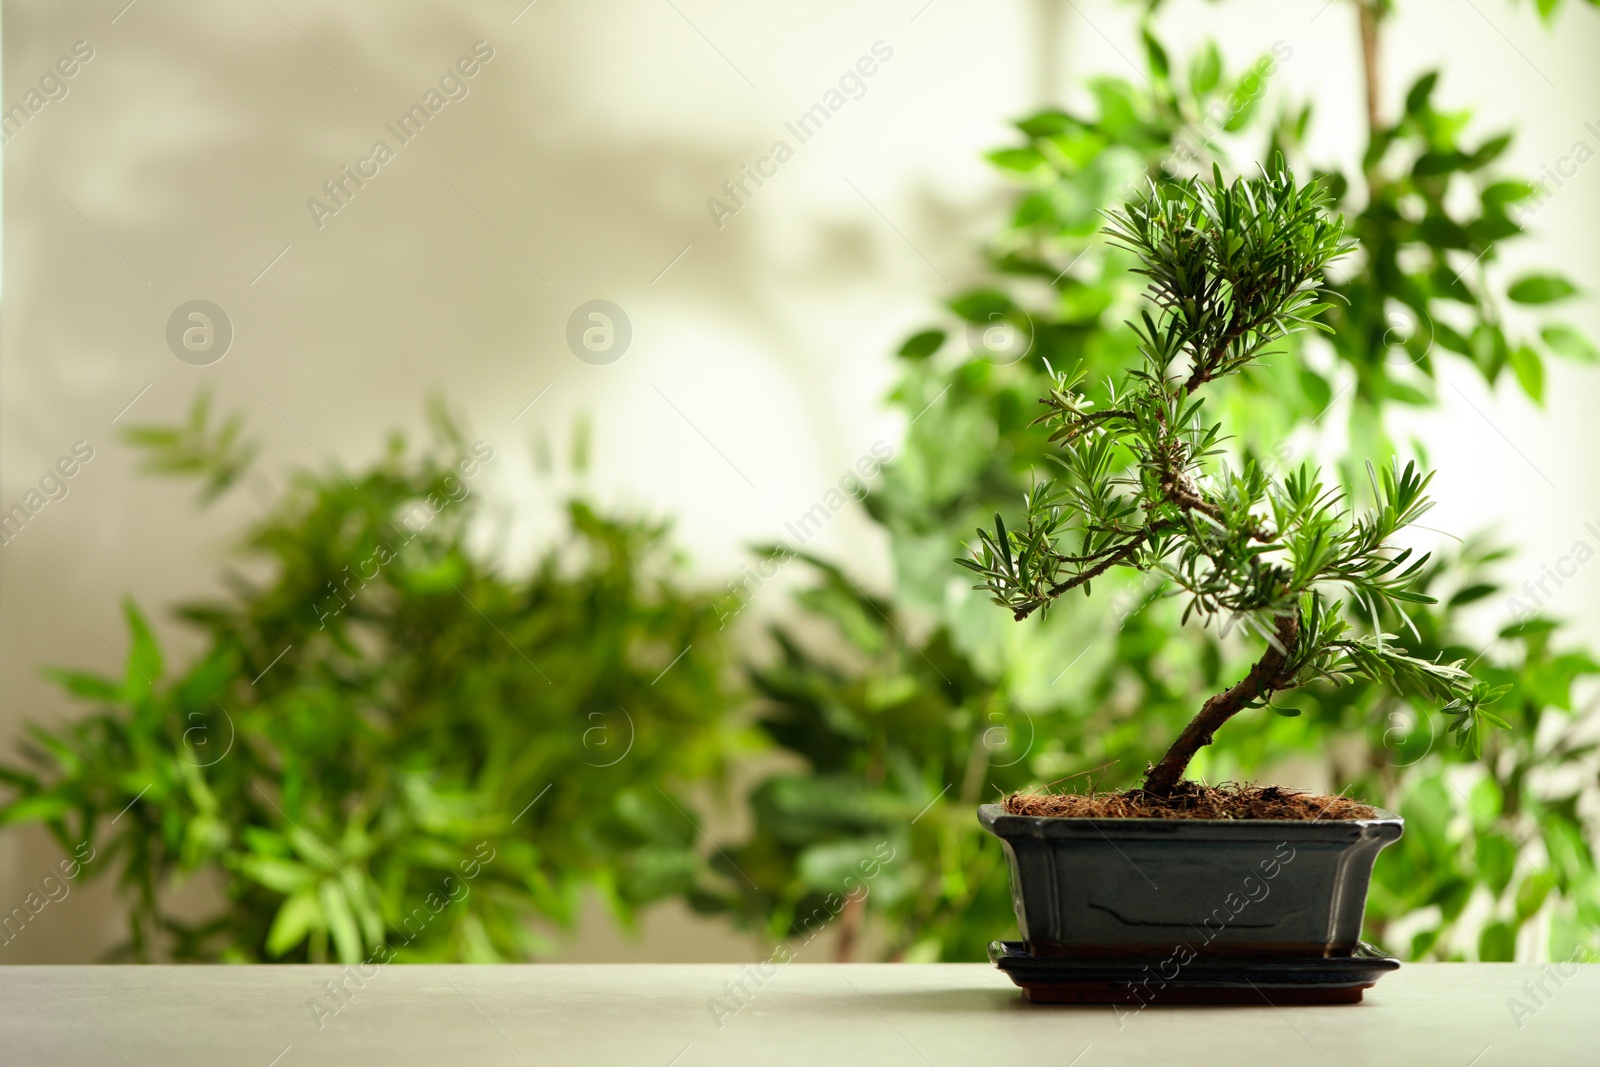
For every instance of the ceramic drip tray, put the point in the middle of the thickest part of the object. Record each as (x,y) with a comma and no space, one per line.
(1187,977)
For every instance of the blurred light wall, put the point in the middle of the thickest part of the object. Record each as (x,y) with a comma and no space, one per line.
(575,163)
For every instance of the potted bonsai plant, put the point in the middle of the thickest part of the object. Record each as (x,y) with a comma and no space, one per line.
(1178,890)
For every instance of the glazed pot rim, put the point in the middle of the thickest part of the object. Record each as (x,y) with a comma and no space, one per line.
(994,817)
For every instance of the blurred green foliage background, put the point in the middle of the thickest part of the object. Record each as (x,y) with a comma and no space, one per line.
(381,708)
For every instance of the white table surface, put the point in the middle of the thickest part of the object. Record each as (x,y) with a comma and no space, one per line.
(814,1014)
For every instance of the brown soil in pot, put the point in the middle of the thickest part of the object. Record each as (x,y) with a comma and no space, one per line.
(1191,800)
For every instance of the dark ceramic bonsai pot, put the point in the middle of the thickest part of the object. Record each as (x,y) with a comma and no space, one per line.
(1099,891)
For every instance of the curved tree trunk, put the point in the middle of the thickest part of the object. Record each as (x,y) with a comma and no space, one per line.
(1262,679)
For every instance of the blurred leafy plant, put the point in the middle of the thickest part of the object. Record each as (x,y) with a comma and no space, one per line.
(387,748)
(217,454)
(1430,229)
(919,705)
(875,729)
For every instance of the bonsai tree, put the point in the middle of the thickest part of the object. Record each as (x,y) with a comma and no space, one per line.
(1232,269)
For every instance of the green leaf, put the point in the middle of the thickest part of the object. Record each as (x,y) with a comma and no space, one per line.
(1036,208)
(1406,394)
(144,657)
(1489,151)
(1021,160)
(1566,341)
(1541,289)
(1489,350)
(296,917)
(1497,943)
(1472,593)
(982,305)
(1487,229)
(278,875)
(1431,164)
(1316,388)
(1529,369)
(1417,98)
(341,922)
(1531,895)
(1205,69)
(1501,193)
(1443,232)
(85,685)
(1047,123)
(1160,65)
(46,807)
(1451,339)
(1497,859)
(922,345)
(1248,93)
